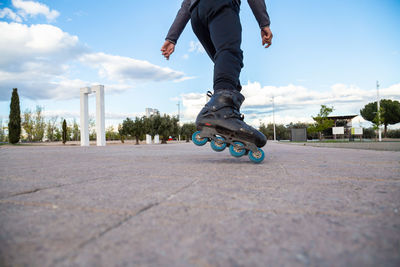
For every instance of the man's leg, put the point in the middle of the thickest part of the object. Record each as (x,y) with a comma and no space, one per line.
(217,26)
(200,29)
(226,35)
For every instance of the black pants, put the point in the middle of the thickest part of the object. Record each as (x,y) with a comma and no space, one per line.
(216,24)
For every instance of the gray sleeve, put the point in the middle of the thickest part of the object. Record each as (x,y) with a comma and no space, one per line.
(260,12)
(180,22)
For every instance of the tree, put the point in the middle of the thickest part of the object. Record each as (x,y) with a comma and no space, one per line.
(57,134)
(1,131)
(14,121)
(34,125)
(321,121)
(92,129)
(127,126)
(389,113)
(51,128)
(154,123)
(111,134)
(168,127)
(38,125)
(121,133)
(282,133)
(76,134)
(64,132)
(28,125)
(187,130)
(137,129)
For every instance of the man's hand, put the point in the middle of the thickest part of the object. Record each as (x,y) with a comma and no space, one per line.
(266,37)
(167,49)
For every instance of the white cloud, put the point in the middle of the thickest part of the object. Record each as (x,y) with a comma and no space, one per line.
(195,46)
(254,120)
(392,91)
(8,13)
(36,47)
(128,69)
(36,59)
(292,103)
(292,96)
(192,104)
(185,78)
(39,59)
(32,9)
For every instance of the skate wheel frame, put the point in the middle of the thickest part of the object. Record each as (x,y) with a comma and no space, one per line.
(219,143)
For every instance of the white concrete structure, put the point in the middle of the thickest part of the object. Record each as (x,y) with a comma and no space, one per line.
(156,139)
(149,113)
(100,115)
(148,139)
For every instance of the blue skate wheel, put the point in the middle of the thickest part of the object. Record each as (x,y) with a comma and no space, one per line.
(219,145)
(257,157)
(237,149)
(197,140)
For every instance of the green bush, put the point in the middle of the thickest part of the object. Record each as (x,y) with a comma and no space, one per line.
(393,133)
(369,133)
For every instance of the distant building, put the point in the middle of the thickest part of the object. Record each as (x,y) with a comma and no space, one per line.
(343,121)
(151,111)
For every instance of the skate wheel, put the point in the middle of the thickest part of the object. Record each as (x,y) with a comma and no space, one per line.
(237,149)
(197,140)
(219,145)
(257,157)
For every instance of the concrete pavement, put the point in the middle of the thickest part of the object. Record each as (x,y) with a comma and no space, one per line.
(182,205)
(384,146)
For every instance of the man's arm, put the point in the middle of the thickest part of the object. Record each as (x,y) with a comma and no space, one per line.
(260,12)
(180,22)
(176,29)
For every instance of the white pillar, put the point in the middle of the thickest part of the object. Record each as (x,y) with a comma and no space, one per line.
(100,115)
(156,139)
(84,116)
(148,139)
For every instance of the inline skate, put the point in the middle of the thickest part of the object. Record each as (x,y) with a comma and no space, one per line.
(221,123)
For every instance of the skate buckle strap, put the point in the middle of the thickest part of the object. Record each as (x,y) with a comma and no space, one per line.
(209,94)
(235,114)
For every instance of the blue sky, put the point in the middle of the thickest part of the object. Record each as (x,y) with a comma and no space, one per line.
(323,52)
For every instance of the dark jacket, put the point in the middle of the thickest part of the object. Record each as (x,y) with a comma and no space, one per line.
(257,6)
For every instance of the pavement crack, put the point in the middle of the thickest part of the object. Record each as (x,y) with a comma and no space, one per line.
(49,187)
(74,254)
(26,192)
(180,190)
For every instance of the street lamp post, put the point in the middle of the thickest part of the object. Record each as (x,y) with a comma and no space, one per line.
(273,116)
(179,114)
(379,112)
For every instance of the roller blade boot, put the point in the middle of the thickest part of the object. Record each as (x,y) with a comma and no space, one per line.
(221,123)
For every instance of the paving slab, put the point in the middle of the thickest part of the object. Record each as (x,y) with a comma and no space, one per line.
(182,205)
